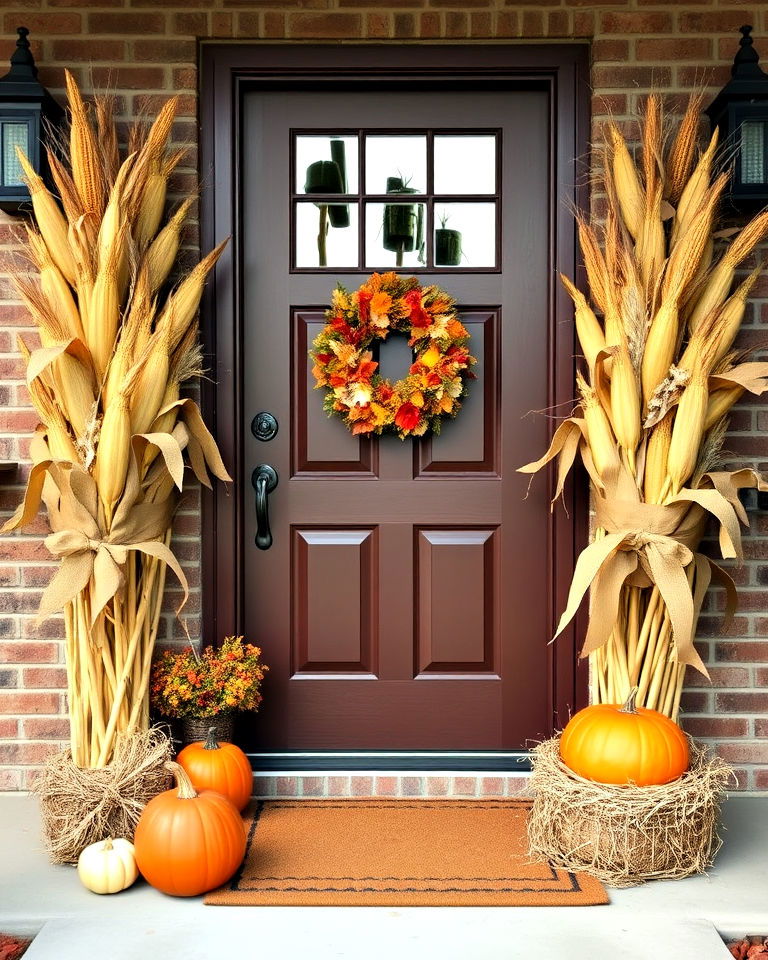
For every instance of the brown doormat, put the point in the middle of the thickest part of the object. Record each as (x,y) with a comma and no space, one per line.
(408,853)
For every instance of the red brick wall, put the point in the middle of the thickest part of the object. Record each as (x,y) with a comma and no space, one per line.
(147,48)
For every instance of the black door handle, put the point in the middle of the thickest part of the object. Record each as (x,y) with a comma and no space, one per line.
(264,480)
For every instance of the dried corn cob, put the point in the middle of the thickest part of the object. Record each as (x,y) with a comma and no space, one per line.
(627,183)
(87,171)
(50,220)
(588,328)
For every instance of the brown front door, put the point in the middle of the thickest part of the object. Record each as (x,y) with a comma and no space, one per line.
(406,600)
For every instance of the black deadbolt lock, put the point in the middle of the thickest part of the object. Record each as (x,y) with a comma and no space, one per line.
(264,426)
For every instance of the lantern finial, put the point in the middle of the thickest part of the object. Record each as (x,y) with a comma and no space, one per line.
(745,63)
(22,62)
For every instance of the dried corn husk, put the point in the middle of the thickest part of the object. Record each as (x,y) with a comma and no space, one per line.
(152,380)
(688,430)
(625,407)
(594,262)
(105,370)
(588,327)
(55,288)
(602,443)
(87,172)
(659,348)
(682,154)
(720,403)
(111,465)
(103,317)
(182,305)
(695,190)
(654,400)
(657,458)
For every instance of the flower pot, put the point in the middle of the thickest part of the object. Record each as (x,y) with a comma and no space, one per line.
(330,176)
(403,222)
(194,729)
(447,248)
(323,176)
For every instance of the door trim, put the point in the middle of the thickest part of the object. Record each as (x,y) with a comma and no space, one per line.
(227,73)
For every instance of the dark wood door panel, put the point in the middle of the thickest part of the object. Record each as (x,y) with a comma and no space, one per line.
(456,609)
(397,574)
(360,713)
(334,592)
(408,597)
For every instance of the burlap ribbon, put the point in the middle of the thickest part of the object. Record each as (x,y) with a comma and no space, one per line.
(649,544)
(83,557)
(646,544)
(88,552)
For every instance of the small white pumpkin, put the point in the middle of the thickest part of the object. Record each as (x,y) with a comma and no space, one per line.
(108,866)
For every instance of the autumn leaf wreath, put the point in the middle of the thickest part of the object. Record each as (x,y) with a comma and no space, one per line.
(344,365)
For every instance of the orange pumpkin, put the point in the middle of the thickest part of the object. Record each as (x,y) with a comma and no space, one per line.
(188,842)
(222,767)
(611,743)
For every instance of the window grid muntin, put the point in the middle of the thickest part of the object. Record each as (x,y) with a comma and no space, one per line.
(362,198)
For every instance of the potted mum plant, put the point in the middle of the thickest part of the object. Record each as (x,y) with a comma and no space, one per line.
(206,690)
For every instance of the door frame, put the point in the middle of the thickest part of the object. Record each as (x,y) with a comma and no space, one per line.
(227,72)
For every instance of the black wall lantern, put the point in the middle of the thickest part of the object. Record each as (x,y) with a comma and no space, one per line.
(740,110)
(25,109)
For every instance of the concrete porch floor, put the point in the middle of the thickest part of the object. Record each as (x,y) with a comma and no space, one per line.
(660,921)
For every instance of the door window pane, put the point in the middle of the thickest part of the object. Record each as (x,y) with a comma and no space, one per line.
(395,162)
(395,234)
(465,164)
(326,235)
(425,176)
(326,163)
(465,235)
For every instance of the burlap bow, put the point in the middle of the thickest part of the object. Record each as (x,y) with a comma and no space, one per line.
(647,544)
(84,557)
(86,550)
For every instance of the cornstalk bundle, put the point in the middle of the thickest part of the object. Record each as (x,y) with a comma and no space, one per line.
(660,376)
(116,347)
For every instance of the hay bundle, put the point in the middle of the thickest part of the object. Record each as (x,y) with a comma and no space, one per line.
(626,835)
(80,805)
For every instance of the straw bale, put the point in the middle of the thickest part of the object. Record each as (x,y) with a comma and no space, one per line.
(626,835)
(81,805)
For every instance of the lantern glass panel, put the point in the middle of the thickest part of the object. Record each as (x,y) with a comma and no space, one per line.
(753,151)
(13,134)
